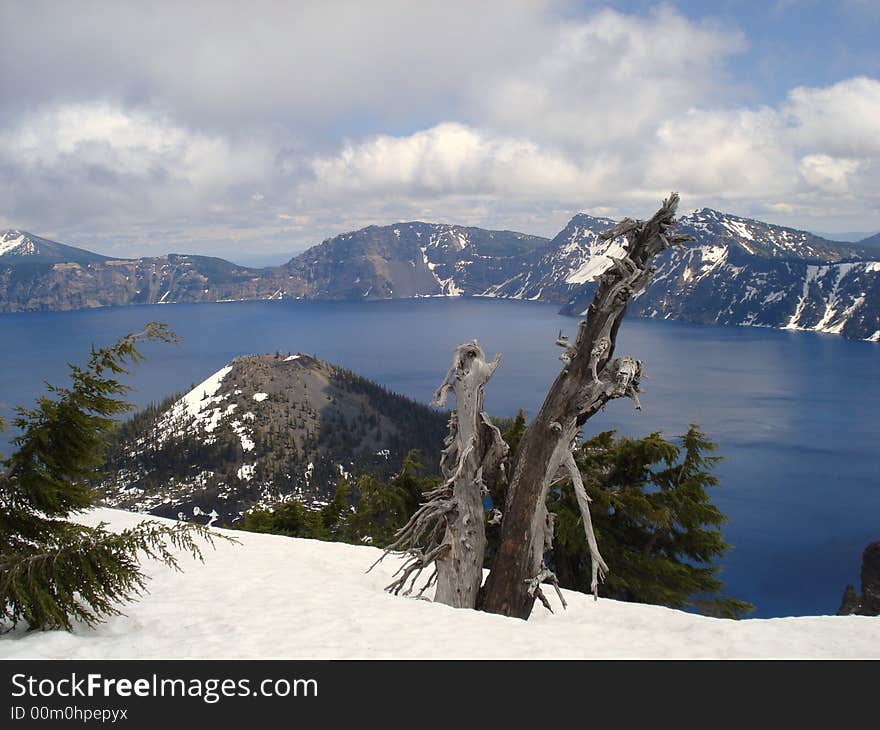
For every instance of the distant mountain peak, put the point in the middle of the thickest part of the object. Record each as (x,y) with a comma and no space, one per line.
(20,246)
(265,427)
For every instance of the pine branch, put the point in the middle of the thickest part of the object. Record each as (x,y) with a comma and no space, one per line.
(62,436)
(54,573)
(85,573)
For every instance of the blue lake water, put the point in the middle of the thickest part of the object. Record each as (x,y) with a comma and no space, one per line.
(795,413)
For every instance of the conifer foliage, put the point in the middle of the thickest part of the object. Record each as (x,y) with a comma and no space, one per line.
(370,513)
(54,572)
(654,518)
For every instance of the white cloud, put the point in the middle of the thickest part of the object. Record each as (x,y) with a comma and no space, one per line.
(785,160)
(104,164)
(815,153)
(727,153)
(134,144)
(448,159)
(609,79)
(303,64)
(843,118)
(829,174)
(277,125)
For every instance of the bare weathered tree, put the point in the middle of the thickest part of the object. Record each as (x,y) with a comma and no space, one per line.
(590,377)
(448,530)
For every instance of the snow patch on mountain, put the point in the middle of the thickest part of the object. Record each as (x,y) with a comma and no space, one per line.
(246,472)
(598,259)
(247,444)
(201,406)
(16,243)
(448,287)
(834,295)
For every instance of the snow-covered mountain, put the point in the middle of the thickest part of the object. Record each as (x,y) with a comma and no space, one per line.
(260,429)
(764,239)
(23,247)
(737,271)
(575,256)
(377,262)
(315,600)
(743,272)
(413,259)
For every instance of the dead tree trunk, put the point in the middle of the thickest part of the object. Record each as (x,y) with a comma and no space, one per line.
(448,531)
(591,376)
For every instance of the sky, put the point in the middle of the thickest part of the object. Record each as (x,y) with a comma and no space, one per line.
(254,130)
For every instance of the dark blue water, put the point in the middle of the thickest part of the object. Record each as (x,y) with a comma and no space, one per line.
(794,413)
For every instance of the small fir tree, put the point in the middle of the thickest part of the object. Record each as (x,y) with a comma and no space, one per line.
(657,528)
(413,481)
(335,516)
(379,513)
(54,572)
(512,430)
(290,518)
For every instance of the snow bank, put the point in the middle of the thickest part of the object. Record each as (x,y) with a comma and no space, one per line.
(277,597)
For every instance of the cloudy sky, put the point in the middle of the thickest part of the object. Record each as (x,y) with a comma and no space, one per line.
(251,130)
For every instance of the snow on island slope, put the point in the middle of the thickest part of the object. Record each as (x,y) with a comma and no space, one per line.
(200,403)
(277,597)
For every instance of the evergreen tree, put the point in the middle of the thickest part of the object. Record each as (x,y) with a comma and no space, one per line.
(655,523)
(413,482)
(290,518)
(512,430)
(53,571)
(380,511)
(514,433)
(336,515)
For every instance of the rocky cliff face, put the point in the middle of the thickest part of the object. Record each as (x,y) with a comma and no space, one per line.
(413,260)
(114,282)
(263,428)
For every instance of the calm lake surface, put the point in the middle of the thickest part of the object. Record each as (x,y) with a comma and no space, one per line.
(795,413)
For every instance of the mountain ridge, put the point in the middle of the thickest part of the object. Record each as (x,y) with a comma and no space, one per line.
(17,246)
(871,241)
(738,271)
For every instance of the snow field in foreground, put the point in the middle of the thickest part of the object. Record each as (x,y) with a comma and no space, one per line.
(277,597)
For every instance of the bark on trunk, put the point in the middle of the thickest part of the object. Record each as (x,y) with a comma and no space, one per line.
(449,530)
(460,569)
(591,376)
